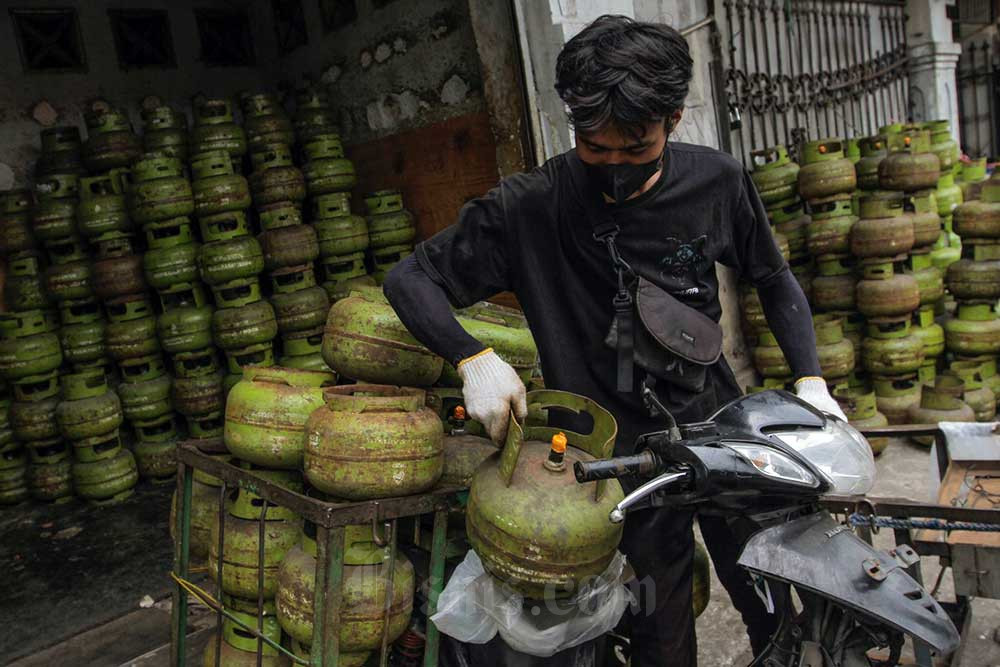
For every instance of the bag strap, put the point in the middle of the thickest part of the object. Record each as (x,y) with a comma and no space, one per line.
(622,302)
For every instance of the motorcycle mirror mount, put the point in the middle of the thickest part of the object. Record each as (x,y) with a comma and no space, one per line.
(654,406)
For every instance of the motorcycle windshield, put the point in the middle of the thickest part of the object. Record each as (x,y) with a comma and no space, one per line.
(816,553)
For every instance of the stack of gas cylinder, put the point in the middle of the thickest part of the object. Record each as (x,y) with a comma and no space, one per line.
(390,229)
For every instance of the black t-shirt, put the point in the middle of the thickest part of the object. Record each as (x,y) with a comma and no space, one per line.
(531,235)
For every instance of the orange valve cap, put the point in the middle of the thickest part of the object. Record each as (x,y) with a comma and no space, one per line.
(459,412)
(559,443)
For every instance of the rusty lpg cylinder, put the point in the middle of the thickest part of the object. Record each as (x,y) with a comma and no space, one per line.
(972,279)
(883,230)
(910,164)
(82,334)
(860,406)
(61,152)
(238,647)
(774,174)
(313,115)
(503,329)
(217,188)
(160,190)
(531,524)
(199,394)
(836,353)
(367,606)
(13,475)
(204,511)
(977,395)
(943,144)
(102,211)
(885,292)
(24,284)
(69,275)
(187,325)
(131,330)
(977,219)
(829,231)
(890,349)
(939,403)
(108,481)
(50,471)
(90,408)
(825,171)
(873,151)
(971,178)
(303,349)
(146,400)
(930,279)
(53,217)
(278,215)
(266,414)
(299,303)
(15,221)
(768,358)
(117,271)
(921,208)
(265,122)
(171,257)
(974,331)
(365,341)
(389,224)
(249,324)
(327,169)
(215,130)
(344,274)
(931,335)
(275,178)
(165,132)
(221,262)
(28,348)
(792,222)
(34,421)
(289,246)
(895,396)
(373,441)
(338,231)
(110,140)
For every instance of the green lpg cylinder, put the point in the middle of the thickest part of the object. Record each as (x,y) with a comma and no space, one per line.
(275,177)
(61,152)
(224,261)
(921,209)
(156,449)
(825,171)
(774,174)
(971,178)
(204,512)
(293,245)
(266,414)
(313,115)
(974,279)
(25,354)
(988,370)
(768,358)
(83,331)
(89,408)
(15,221)
(146,400)
(386,258)
(215,130)
(165,132)
(50,471)
(117,271)
(266,122)
(835,352)
(24,284)
(940,403)
(373,441)
(160,190)
(102,211)
(217,188)
(943,144)
(895,396)
(365,341)
(13,475)
(250,324)
(304,350)
(171,257)
(930,279)
(860,406)
(975,331)
(931,335)
(110,141)
(829,229)
(364,589)
(389,224)
(239,647)
(503,329)
(873,151)
(979,219)
(949,195)
(131,330)
(69,280)
(532,525)
(883,230)
(345,274)
(977,395)
(327,169)
(300,305)
(891,350)
(884,292)
(107,481)
(54,215)
(35,421)
(198,395)
(338,232)
(910,164)
(278,215)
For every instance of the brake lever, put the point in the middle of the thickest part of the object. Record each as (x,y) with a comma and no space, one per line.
(617,514)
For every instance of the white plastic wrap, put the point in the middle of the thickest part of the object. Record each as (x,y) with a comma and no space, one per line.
(474,607)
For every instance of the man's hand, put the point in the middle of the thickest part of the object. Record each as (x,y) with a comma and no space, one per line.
(492,390)
(813,391)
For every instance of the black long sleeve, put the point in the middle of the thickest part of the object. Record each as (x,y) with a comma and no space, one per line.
(422,305)
(790,319)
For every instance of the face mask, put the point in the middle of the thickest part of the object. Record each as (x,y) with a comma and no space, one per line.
(620,181)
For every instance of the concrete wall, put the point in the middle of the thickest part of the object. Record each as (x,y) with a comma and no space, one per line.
(402,65)
(70,93)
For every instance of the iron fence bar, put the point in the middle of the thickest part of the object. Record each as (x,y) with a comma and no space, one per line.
(990,91)
(903,81)
(436,584)
(182,546)
(740,12)
(846,103)
(728,77)
(829,70)
(975,97)
(221,558)
(261,535)
(390,584)
(866,19)
(770,97)
(332,561)
(886,82)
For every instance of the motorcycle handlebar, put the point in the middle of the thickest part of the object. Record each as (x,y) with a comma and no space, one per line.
(618,466)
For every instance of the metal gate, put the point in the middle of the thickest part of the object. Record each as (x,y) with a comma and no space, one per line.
(795,70)
(977,90)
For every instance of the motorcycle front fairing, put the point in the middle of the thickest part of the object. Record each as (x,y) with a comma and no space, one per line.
(816,553)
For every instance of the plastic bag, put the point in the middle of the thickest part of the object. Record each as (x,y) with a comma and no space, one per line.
(474,607)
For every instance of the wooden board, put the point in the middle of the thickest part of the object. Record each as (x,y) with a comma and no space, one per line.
(438,168)
(960,487)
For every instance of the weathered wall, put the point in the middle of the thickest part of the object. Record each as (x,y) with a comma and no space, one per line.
(401,65)
(69,93)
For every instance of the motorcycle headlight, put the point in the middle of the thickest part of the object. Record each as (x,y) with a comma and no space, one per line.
(839,452)
(773,463)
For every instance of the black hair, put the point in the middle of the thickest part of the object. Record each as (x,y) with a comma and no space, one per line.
(623,72)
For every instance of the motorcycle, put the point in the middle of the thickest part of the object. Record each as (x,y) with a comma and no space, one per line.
(770,457)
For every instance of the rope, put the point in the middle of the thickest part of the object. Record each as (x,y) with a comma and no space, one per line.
(857,519)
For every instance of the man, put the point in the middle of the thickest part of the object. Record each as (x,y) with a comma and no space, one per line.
(672,210)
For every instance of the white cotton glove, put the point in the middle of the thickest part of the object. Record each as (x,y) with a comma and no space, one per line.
(813,391)
(492,390)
